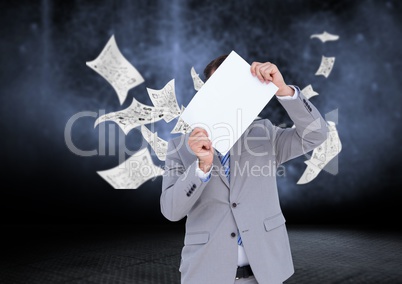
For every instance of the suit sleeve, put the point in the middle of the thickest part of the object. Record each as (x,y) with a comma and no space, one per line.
(181,187)
(309,132)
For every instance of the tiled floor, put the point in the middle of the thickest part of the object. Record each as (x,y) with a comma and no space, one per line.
(135,254)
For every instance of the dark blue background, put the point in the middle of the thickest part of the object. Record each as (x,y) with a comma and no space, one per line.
(44,82)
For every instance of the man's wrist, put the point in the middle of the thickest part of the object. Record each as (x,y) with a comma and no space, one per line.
(287,92)
(295,90)
(204,176)
(204,166)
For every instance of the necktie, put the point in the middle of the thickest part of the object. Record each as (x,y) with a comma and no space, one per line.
(226,166)
(225,163)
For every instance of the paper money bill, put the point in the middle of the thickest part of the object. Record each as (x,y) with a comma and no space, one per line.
(321,155)
(197,82)
(181,126)
(135,115)
(116,69)
(308,92)
(157,144)
(133,172)
(325,36)
(166,98)
(327,63)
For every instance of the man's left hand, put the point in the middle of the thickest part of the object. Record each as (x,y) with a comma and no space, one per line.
(269,72)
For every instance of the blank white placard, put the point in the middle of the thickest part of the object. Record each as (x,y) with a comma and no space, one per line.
(228,102)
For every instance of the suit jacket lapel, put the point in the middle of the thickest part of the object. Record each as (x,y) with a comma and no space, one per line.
(217,166)
(189,157)
(234,160)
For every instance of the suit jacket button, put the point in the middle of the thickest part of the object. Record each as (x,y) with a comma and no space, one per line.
(233,235)
(194,186)
(234,205)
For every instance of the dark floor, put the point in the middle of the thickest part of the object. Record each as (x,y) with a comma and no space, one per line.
(132,254)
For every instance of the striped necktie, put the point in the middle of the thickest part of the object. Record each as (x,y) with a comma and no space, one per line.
(225,163)
(226,166)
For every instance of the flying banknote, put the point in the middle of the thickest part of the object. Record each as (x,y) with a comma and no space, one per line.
(116,69)
(198,83)
(166,98)
(135,115)
(308,92)
(327,63)
(157,144)
(325,36)
(133,172)
(181,126)
(321,155)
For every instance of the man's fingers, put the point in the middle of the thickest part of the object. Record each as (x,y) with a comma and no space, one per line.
(199,134)
(259,74)
(264,76)
(200,140)
(270,68)
(252,68)
(198,130)
(199,143)
(263,71)
(205,144)
(259,69)
(266,73)
(197,137)
(196,145)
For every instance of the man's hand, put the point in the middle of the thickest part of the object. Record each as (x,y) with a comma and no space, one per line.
(268,72)
(202,147)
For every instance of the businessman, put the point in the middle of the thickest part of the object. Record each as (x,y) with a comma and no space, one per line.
(235,231)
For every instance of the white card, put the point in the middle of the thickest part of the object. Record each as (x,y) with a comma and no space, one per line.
(228,102)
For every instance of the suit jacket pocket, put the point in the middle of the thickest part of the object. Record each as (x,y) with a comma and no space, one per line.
(274,222)
(196,238)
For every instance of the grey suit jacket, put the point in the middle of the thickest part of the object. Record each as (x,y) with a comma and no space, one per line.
(216,209)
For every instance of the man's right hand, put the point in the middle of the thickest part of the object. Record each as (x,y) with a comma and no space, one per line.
(201,145)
